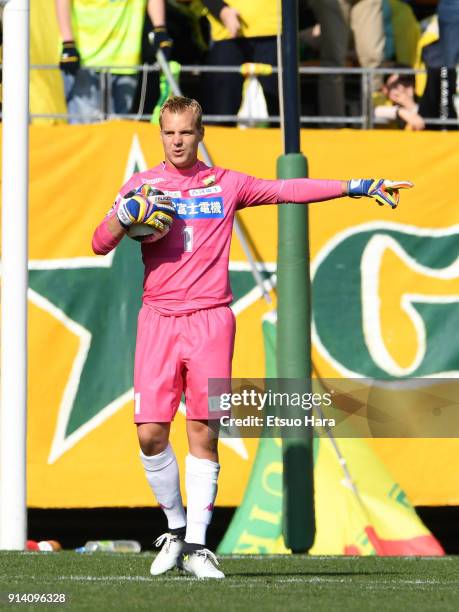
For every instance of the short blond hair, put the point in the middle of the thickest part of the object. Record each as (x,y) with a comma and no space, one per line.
(180,104)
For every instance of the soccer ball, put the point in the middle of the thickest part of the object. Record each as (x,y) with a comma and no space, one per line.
(142,232)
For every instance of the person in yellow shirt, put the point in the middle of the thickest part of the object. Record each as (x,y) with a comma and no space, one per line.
(104,33)
(241,32)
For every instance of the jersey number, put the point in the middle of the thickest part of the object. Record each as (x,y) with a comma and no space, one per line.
(187,239)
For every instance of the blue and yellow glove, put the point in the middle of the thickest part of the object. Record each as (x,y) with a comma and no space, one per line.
(146,205)
(381,190)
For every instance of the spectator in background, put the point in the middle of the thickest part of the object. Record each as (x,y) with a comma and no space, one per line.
(439,97)
(448,20)
(338,18)
(439,88)
(402,109)
(428,51)
(241,32)
(190,30)
(104,33)
(188,27)
(406,32)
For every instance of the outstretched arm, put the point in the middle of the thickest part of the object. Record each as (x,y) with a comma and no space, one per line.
(310,190)
(256,191)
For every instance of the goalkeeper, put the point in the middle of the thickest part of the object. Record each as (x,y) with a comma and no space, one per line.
(186,329)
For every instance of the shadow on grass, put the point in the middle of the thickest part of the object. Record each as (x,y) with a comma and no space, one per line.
(278,574)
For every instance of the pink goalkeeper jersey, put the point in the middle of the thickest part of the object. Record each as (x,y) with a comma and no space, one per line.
(187,270)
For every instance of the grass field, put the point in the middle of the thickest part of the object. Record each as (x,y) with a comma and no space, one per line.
(110,581)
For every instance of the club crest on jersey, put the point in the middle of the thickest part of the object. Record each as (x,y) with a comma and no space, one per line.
(205,190)
(209,180)
(200,208)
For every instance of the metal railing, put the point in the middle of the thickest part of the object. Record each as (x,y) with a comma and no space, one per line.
(364,120)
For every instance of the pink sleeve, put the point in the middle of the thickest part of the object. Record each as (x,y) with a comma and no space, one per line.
(309,190)
(255,191)
(103,241)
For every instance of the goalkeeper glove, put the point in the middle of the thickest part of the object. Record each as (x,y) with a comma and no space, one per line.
(382,190)
(160,39)
(70,58)
(146,205)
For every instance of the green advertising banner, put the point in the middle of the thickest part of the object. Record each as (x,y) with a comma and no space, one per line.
(385,300)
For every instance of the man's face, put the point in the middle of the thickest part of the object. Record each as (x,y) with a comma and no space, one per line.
(181,138)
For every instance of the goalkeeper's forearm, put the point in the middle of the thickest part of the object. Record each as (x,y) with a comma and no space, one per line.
(107,235)
(311,190)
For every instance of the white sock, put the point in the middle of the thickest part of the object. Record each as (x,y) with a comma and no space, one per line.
(201,489)
(162,474)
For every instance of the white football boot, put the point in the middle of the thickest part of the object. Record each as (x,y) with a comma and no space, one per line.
(167,557)
(200,563)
